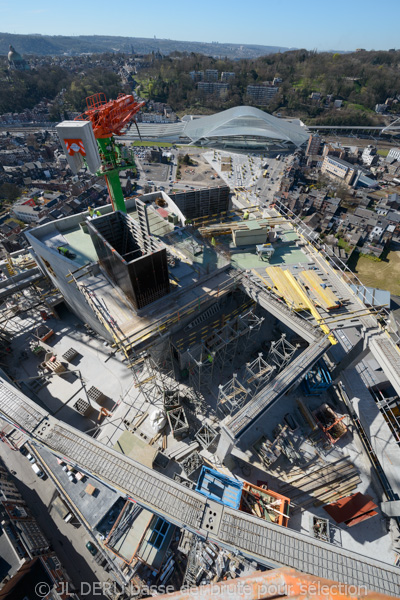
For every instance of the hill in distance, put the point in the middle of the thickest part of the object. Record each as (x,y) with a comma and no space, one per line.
(55,45)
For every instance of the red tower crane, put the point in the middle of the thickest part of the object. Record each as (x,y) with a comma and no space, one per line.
(109,119)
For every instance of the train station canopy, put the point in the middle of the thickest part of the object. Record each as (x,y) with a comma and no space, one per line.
(247,127)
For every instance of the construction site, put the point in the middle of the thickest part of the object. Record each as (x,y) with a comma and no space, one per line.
(212,367)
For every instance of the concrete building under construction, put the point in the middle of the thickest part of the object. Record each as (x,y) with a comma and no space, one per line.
(246,375)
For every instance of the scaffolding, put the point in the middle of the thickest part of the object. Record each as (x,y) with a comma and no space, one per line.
(178,422)
(258,373)
(206,436)
(220,349)
(390,408)
(232,396)
(252,325)
(201,367)
(280,353)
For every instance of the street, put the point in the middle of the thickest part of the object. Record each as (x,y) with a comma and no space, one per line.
(67,541)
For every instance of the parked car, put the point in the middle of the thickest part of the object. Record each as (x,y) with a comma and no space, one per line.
(31,458)
(71,477)
(92,548)
(24,451)
(41,474)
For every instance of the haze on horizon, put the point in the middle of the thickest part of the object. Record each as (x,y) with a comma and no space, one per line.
(343,25)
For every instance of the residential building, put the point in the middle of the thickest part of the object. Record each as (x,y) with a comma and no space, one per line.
(197,75)
(219,89)
(23,547)
(28,213)
(369,156)
(8,491)
(314,144)
(41,573)
(261,94)
(211,75)
(336,167)
(227,76)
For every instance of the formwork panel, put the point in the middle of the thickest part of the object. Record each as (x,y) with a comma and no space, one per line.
(142,277)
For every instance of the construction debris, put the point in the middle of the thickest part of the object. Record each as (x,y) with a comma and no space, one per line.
(207,563)
(192,464)
(319,528)
(332,425)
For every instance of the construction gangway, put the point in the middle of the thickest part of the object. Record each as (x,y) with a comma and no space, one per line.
(268,544)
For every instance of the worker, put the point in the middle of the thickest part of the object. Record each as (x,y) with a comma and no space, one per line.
(213,242)
(97,213)
(246,215)
(90,211)
(66,252)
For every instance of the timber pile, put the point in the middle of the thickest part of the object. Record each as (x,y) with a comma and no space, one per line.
(321,486)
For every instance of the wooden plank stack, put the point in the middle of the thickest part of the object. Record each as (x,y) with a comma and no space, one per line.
(322,485)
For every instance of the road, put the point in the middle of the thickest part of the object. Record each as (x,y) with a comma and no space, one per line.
(67,541)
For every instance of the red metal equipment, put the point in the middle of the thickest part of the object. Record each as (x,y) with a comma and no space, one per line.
(111,117)
(352,509)
(277,584)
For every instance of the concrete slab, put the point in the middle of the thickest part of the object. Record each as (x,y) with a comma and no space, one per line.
(128,543)
(131,445)
(92,507)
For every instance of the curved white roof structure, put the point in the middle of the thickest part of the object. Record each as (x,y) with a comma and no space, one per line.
(247,127)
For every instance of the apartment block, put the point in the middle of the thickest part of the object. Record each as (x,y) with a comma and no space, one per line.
(211,75)
(209,88)
(313,145)
(227,76)
(262,94)
(339,168)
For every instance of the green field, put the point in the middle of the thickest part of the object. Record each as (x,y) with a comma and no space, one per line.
(383,151)
(384,275)
(158,144)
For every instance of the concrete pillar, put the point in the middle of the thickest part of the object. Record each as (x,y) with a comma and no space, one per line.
(357,353)
(225,444)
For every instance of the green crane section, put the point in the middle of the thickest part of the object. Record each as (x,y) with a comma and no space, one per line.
(114,158)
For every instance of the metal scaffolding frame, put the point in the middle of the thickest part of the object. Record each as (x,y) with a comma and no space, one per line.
(160,362)
(221,348)
(232,396)
(252,326)
(201,367)
(225,349)
(206,436)
(258,373)
(280,353)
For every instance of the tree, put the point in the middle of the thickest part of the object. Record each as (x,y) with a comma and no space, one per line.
(10,191)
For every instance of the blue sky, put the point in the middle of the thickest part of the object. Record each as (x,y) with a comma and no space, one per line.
(320,24)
